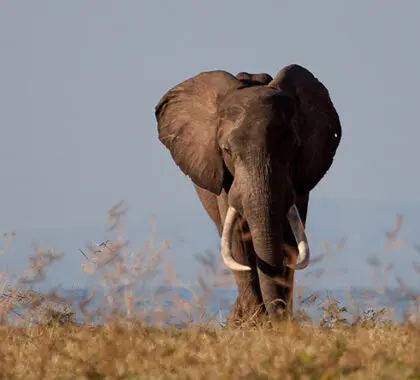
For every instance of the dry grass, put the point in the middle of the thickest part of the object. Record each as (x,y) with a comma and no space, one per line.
(135,342)
(286,352)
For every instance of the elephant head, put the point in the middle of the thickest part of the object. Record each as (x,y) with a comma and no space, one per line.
(261,140)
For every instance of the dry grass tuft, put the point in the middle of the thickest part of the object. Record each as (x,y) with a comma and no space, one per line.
(130,335)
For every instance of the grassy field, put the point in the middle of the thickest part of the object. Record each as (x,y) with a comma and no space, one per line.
(281,352)
(365,346)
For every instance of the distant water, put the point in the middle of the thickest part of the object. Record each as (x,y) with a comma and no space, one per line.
(219,300)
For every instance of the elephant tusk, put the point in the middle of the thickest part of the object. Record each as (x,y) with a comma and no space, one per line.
(298,230)
(226,242)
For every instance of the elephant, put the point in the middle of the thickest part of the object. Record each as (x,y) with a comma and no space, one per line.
(254,147)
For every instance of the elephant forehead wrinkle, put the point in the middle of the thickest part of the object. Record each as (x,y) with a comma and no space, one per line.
(235,113)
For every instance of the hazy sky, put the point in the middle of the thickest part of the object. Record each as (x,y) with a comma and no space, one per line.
(79,81)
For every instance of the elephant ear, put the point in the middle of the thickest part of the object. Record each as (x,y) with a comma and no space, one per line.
(319,126)
(187,117)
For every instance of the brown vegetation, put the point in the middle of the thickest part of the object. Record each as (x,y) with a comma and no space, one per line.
(286,352)
(135,342)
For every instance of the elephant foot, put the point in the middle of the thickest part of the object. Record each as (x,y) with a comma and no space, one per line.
(249,313)
(246,314)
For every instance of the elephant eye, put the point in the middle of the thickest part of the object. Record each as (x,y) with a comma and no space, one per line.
(226,148)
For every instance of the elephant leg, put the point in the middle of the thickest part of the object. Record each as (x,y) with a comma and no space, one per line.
(209,202)
(248,304)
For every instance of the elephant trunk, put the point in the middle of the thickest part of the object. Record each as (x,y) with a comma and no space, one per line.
(266,222)
(266,216)
(267,229)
